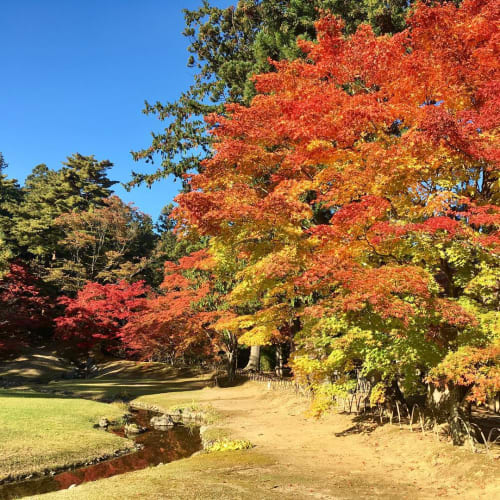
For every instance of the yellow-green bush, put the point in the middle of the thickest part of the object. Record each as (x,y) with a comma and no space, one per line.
(229,445)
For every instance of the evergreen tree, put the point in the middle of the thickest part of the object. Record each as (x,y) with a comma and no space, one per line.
(10,197)
(79,185)
(85,181)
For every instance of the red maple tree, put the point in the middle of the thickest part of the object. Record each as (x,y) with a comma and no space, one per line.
(24,309)
(99,312)
(175,323)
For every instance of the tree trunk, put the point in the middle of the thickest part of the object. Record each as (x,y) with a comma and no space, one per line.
(230,347)
(279,360)
(232,363)
(254,360)
(448,405)
(493,403)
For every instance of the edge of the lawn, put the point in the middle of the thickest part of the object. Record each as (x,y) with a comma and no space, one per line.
(77,463)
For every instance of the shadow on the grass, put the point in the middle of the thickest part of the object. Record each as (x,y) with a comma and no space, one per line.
(123,389)
(30,394)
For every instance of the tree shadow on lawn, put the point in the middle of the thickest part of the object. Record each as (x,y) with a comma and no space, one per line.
(40,368)
(29,393)
(106,390)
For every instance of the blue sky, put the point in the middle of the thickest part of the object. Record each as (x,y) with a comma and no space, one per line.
(74,77)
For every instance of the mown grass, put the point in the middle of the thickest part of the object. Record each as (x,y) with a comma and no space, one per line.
(120,381)
(40,432)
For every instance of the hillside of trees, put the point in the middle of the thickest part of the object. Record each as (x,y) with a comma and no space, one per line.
(339,212)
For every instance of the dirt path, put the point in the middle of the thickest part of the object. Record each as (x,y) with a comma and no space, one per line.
(386,463)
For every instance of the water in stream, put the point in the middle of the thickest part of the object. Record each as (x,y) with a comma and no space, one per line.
(158,446)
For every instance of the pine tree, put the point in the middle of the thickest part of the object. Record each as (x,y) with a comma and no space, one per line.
(79,185)
(10,197)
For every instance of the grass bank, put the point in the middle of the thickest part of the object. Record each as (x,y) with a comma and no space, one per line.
(40,432)
(227,475)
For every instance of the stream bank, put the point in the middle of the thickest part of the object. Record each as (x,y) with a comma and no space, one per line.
(155,446)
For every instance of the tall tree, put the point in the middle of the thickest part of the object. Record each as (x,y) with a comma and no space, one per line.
(105,243)
(10,197)
(229,46)
(359,191)
(81,183)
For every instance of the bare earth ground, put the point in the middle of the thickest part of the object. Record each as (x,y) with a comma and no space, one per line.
(297,457)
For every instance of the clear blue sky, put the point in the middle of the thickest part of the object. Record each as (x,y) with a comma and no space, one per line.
(74,77)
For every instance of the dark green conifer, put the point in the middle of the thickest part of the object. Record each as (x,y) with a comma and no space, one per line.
(82,182)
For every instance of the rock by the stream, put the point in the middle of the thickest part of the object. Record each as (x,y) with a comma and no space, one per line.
(176,416)
(103,422)
(162,421)
(134,429)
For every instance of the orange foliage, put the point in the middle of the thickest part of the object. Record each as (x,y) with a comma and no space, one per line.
(173,324)
(349,165)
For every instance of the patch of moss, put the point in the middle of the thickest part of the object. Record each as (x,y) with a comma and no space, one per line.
(229,445)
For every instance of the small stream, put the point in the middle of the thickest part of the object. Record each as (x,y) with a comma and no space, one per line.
(157,446)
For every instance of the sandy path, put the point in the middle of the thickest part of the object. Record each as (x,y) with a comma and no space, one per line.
(386,463)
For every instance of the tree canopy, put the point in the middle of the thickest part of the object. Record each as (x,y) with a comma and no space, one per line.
(359,191)
(228,46)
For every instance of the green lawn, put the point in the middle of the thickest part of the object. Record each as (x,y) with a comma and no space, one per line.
(39,432)
(128,380)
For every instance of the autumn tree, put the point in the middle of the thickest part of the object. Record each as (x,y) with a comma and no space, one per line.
(359,191)
(173,324)
(96,316)
(105,243)
(189,319)
(25,312)
(230,45)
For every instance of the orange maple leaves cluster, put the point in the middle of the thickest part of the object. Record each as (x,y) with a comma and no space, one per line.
(347,158)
